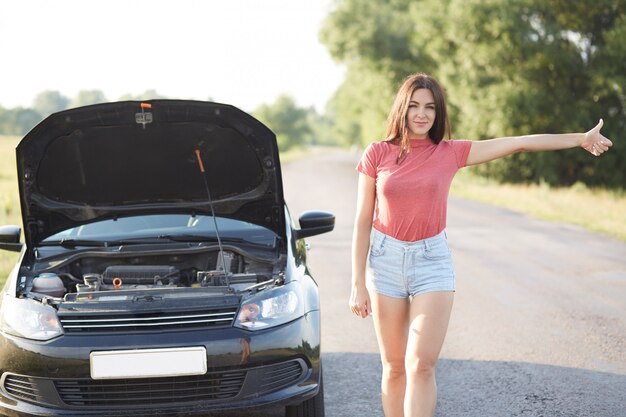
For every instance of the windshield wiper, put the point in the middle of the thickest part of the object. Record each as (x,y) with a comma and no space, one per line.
(72,243)
(198,238)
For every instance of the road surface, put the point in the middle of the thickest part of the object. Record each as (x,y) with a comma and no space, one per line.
(539,322)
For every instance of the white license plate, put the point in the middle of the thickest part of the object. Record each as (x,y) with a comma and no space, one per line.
(145,363)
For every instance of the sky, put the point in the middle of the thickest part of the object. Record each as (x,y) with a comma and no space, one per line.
(239,52)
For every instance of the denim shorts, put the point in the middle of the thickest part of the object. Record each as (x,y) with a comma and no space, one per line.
(405,269)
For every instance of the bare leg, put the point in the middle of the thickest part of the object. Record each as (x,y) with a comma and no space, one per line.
(430,314)
(391,321)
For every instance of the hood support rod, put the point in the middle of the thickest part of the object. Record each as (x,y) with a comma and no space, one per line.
(217,234)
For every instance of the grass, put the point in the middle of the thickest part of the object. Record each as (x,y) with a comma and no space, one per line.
(9,199)
(598,210)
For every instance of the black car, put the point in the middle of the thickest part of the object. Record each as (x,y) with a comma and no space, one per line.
(161,272)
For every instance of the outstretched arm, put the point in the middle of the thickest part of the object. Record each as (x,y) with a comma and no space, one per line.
(488,150)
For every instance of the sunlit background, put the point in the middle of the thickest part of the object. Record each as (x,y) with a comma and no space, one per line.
(243,52)
(323,73)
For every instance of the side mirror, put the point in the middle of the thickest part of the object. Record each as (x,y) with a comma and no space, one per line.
(10,238)
(314,223)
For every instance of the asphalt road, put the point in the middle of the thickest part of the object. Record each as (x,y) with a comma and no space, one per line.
(539,322)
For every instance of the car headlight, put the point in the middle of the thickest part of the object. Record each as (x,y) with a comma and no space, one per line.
(271,308)
(29,319)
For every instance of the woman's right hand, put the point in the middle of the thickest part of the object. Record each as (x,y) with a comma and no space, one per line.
(360,303)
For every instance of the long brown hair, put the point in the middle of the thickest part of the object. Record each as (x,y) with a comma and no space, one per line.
(397,128)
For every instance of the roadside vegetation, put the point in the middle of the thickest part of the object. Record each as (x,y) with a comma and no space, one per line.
(509,68)
(9,199)
(596,209)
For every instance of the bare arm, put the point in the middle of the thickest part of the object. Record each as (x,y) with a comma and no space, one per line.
(488,150)
(360,303)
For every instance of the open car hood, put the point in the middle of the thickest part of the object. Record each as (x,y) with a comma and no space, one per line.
(129,158)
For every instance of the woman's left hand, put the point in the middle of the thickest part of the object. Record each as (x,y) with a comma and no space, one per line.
(594,142)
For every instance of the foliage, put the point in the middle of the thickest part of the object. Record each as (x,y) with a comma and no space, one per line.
(293,125)
(87,97)
(288,121)
(359,34)
(510,68)
(577,204)
(9,199)
(359,107)
(49,101)
(322,129)
(18,120)
(150,94)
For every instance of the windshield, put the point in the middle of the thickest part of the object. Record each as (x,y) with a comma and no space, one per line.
(170,225)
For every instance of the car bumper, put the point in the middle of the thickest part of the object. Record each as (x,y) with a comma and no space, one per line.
(245,369)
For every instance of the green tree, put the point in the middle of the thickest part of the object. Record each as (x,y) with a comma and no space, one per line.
(360,105)
(288,121)
(377,53)
(510,68)
(150,94)
(87,97)
(18,120)
(49,101)
(322,129)
(532,66)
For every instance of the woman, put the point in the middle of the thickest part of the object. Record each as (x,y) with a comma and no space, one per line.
(407,281)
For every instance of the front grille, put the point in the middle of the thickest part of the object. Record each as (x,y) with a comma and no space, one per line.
(281,375)
(226,386)
(148,321)
(23,387)
(141,392)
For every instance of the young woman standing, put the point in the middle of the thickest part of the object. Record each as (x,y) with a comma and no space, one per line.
(403,276)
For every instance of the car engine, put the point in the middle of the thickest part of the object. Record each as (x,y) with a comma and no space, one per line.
(87,274)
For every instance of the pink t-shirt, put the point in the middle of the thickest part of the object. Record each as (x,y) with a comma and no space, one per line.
(412,197)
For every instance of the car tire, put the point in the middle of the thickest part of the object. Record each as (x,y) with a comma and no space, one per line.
(313,407)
